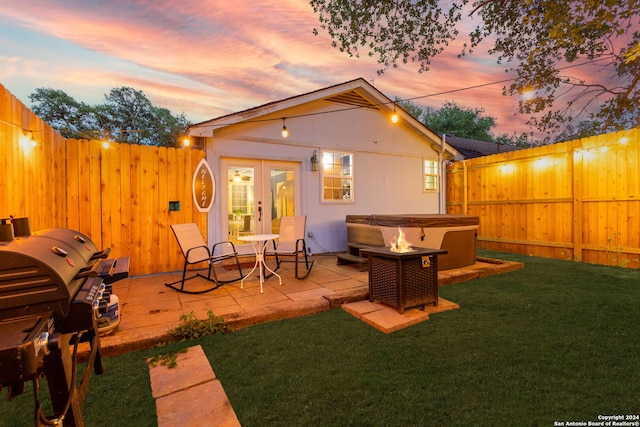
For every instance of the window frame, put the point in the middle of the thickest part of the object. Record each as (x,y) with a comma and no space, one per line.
(432,171)
(324,175)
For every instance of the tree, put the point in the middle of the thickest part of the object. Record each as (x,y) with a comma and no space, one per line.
(126,116)
(60,111)
(167,126)
(415,110)
(538,40)
(584,129)
(521,140)
(462,122)
(129,115)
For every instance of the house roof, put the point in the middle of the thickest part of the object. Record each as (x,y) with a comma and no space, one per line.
(353,94)
(471,148)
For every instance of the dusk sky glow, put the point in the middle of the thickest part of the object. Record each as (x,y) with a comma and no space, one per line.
(211,58)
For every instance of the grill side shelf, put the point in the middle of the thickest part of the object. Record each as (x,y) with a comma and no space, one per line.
(21,347)
(81,312)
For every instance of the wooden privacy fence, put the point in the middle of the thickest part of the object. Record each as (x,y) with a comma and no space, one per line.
(117,194)
(575,200)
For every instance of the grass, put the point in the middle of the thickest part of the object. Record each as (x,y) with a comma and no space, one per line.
(557,340)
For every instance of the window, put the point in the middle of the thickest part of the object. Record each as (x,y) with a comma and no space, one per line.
(430,175)
(337,176)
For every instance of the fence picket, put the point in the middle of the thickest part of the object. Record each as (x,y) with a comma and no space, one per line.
(117,196)
(574,200)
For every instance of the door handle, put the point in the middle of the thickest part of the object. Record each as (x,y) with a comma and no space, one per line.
(259,212)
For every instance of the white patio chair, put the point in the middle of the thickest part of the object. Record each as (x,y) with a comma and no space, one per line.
(291,243)
(195,250)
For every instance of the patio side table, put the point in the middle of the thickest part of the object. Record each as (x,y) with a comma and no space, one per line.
(403,279)
(258,242)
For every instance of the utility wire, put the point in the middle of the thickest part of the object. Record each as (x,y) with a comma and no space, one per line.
(593,61)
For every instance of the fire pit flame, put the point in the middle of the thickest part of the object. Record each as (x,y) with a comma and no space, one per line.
(401,245)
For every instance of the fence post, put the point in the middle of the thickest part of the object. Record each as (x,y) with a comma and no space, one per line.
(578,194)
(465,190)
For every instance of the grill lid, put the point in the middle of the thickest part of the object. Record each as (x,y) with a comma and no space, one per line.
(75,240)
(44,272)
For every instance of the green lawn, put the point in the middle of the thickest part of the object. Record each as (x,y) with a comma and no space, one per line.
(555,341)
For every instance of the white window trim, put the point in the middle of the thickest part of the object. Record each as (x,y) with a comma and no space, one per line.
(424,174)
(350,200)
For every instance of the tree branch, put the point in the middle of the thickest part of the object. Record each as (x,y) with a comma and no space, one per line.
(483,4)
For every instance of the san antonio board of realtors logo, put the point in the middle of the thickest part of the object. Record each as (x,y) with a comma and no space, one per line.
(204,187)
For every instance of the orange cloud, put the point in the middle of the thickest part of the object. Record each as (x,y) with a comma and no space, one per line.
(212,58)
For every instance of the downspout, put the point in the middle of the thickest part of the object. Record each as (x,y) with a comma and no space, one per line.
(443,176)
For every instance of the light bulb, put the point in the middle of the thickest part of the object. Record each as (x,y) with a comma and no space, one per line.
(285,131)
(394,116)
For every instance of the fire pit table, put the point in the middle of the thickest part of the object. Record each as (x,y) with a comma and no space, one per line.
(403,279)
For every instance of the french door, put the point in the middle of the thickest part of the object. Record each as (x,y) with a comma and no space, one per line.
(256,194)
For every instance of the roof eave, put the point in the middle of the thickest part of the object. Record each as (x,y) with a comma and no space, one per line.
(206,128)
(379,99)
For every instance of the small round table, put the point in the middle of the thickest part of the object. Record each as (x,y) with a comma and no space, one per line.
(258,242)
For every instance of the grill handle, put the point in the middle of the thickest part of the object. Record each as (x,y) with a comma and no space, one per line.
(102,254)
(90,272)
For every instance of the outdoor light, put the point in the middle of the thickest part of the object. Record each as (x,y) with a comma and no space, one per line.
(186,142)
(315,163)
(105,144)
(394,116)
(285,131)
(527,93)
(27,142)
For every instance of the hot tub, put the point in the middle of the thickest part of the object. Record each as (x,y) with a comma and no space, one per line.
(455,234)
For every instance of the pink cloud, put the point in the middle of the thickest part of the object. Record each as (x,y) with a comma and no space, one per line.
(211,58)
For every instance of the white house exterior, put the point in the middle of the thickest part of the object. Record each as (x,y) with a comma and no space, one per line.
(367,164)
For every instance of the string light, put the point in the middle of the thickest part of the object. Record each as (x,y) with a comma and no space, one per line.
(186,142)
(285,131)
(527,94)
(394,116)
(26,142)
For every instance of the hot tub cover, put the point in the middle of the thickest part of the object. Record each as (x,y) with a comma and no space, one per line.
(414,220)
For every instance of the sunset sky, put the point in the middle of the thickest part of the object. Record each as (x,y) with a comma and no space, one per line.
(210,58)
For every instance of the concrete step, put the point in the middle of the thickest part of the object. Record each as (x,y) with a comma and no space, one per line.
(190,394)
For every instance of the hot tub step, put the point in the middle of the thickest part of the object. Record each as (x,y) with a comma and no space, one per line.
(347,258)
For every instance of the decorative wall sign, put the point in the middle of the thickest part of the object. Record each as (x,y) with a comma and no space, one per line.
(204,187)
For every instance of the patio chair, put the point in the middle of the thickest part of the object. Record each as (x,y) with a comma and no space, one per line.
(195,250)
(291,243)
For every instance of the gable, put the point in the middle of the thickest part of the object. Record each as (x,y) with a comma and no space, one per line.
(348,100)
(353,98)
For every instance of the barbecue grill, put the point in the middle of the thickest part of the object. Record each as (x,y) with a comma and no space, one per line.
(53,285)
